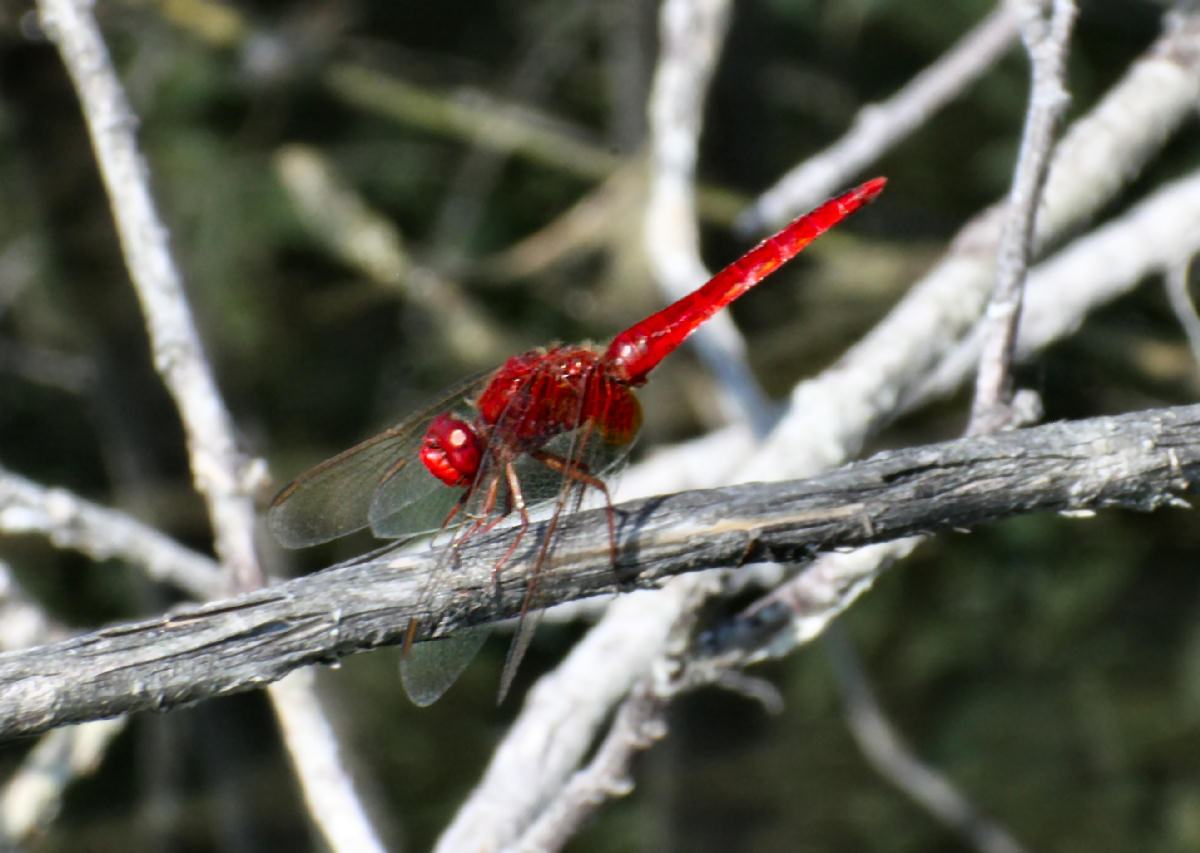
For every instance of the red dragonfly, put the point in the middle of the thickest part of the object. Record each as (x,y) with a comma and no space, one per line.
(547,424)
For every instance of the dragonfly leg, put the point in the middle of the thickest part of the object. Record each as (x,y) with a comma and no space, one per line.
(489,502)
(482,523)
(526,623)
(516,499)
(499,516)
(579,472)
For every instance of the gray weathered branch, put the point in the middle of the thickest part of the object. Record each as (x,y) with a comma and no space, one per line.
(1137,461)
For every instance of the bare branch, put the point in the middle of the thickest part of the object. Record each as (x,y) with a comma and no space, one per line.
(638,725)
(218,468)
(830,417)
(1046,41)
(72,522)
(895,761)
(316,755)
(1137,461)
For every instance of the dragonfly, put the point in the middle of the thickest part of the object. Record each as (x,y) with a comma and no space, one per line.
(547,425)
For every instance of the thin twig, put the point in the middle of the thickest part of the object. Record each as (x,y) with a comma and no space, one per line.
(218,467)
(473,116)
(69,521)
(1047,42)
(220,472)
(895,760)
(1092,271)
(561,40)
(339,218)
(624,30)
(879,127)
(604,218)
(799,611)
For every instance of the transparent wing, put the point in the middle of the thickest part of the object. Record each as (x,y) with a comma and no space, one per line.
(429,668)
(378,478)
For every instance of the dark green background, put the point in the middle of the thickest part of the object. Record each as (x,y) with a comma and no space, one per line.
(1050,667)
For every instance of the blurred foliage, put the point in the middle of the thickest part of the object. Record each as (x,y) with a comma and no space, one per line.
(1050,667)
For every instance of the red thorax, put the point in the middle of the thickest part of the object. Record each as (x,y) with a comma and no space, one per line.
(532,398)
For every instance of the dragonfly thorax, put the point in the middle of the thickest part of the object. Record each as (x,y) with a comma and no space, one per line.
(540,394)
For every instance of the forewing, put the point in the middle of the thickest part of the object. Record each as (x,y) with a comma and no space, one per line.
(378,478)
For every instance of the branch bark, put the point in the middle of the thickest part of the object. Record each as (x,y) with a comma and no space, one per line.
(1047,37)
(1137,461)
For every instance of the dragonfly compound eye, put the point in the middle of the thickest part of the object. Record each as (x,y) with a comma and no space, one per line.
(452,450)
